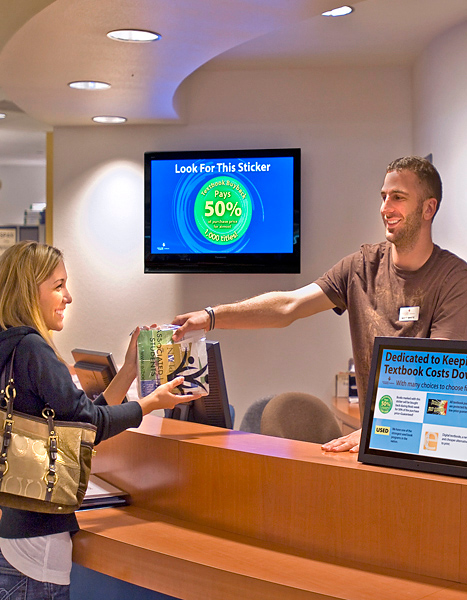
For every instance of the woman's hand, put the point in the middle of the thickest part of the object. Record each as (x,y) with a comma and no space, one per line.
(131,353)
(162,397)
(118,387)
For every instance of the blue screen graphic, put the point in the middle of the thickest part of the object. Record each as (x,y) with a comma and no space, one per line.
(222,205)
(421,404)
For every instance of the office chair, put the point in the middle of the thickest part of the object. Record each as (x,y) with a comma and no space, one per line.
(299,416)
(252,418)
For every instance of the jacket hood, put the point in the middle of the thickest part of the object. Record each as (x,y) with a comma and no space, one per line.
(9,339)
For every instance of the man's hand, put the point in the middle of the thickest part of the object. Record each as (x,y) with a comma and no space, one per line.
(350,442)
(190,322)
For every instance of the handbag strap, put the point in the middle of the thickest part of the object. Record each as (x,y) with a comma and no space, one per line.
(9,394)
(51,475)
(4,382)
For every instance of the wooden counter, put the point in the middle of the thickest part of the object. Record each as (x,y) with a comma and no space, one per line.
(225,514)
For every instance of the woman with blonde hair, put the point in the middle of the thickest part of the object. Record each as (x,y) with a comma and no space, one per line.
(35,558)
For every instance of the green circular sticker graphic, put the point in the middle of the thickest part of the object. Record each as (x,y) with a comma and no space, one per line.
(385,404)
(223,210)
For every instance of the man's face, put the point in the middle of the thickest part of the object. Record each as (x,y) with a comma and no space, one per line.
(402,208)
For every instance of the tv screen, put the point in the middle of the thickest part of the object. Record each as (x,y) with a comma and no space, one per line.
(214,408)
(222,211)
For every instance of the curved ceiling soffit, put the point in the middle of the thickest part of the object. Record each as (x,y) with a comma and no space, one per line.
(144,77)
(297,11)
(16,14)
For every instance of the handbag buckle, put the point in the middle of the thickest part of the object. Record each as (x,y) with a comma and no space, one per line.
(3,472)
(53,446)
(8,427)
(10,391)
(50,478)
(48,412)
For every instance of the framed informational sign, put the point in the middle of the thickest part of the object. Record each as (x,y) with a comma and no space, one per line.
(416,409)
(7,238)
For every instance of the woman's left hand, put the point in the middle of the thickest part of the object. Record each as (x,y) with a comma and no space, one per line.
(120,384)
(132,351)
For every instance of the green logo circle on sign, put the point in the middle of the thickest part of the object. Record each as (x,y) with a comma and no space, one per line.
(385,404)
(223,210)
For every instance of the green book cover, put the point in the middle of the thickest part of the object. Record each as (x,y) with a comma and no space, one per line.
(160,360)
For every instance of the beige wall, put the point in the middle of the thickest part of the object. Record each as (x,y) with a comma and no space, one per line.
(440,92)
(20,187)
(349,123)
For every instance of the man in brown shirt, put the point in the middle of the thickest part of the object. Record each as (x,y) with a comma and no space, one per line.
(406,286)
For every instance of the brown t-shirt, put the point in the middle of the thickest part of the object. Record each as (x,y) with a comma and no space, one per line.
(373,290)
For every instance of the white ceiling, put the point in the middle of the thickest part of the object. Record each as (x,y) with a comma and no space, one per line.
(45,44)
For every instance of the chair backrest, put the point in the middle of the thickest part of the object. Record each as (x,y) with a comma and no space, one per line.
(299,416)
(251,421)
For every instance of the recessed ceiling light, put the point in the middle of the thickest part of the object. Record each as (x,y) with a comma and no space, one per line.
(133,35)
(109,119)
(2,116)
(338,12)
(89,85)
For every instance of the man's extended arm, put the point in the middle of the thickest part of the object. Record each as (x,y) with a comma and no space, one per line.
(273,309)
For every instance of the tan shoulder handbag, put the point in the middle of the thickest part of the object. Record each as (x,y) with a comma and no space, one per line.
(44,464)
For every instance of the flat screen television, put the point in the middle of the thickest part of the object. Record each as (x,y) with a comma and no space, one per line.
(214,408)
(95,370)
(230,211)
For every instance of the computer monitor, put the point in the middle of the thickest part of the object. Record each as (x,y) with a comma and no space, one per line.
(95,370)
(416,408)
(214,408)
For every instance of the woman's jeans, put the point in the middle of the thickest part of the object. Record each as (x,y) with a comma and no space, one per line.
(16,586)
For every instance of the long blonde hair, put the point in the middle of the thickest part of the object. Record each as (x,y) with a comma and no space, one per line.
(23,267)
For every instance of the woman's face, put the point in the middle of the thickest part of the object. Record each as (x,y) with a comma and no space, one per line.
(53,298)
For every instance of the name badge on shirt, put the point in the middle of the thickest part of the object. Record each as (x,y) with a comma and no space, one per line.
(409,313)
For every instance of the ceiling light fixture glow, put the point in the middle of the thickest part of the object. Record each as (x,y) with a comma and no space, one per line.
(89,85)
(2,115)
(109,119)
(341,11)
(134,35)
